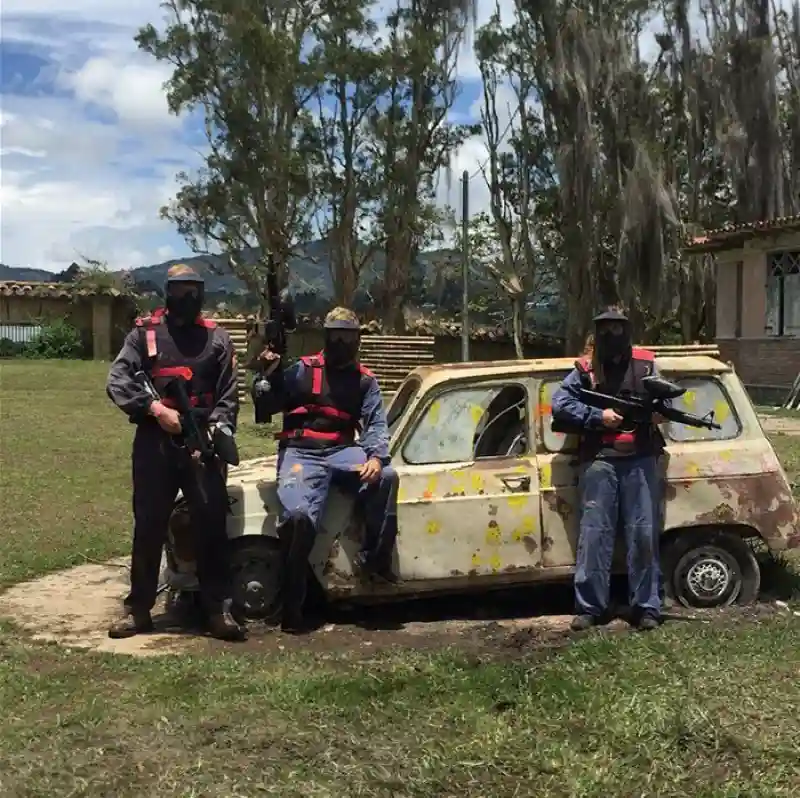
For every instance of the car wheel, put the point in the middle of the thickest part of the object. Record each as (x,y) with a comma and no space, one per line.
(711,569)
(256,571)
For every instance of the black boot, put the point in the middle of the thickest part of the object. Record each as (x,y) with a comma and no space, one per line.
(376,565)
(297,537)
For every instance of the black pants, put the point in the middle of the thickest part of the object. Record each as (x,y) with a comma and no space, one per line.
(160,469)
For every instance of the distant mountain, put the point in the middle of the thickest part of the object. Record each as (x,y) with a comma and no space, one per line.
(309,273)
(13,273)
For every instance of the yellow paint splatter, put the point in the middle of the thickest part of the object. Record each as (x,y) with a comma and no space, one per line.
(493,536)
(476,414)
(546,476)
(430,489)
(495,562)
(722,411)
(517,502)
(527,526)
(476,560)
(689,400)
(401,494)
(477,483)
(726,455)
(521,469)
(433,413)
(692,470)
(433,528)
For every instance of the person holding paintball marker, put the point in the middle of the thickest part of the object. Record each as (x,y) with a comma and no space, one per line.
(619,483)
(326,398)
(176,342)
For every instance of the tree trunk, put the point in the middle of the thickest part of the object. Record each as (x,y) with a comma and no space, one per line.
(517,316)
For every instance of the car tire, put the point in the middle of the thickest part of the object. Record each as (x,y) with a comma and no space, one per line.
(710,568)
(256,570)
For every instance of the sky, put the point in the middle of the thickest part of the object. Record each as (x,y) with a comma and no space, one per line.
(88,150)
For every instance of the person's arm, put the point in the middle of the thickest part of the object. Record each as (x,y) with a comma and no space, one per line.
(657,418)
(123,390)
(568,408)
(226,409)
(374,438)
(282,383)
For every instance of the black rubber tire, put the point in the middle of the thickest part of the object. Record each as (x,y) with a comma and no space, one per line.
(710,568)
(256,560)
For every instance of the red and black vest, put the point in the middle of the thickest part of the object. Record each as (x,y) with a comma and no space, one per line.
(197,364)
(641,440)
(325,408)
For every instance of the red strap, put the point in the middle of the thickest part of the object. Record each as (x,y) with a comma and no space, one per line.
(643,354)
(207,323)
(322,410)
(365,371)
(619,437)
(583,364)
(312,433)
(150,337)
(173,371)
(194,401)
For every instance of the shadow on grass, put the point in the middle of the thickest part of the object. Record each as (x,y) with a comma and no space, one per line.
(780,576)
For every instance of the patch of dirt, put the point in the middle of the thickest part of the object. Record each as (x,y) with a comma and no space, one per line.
(75,607)
(789,426)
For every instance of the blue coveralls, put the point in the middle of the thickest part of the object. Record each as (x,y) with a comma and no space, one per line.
(620,490)
(306,474)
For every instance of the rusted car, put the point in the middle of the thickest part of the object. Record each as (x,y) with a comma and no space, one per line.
(488,493)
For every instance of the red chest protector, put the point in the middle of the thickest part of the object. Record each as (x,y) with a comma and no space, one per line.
(166,361)
(326,408)
(640,365)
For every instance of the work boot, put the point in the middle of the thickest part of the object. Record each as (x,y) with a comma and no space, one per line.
(647,622)
(223,626)
(297,538)
(130,623)
(580,623)
(369,570)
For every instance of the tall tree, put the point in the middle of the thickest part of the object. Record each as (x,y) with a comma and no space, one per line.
(245,68)
(412,139)
(354,79)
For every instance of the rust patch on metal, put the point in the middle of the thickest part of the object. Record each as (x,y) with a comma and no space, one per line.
(530,544)
(547,543)
(329,567)
(557,504)
(721,514)
(492,511)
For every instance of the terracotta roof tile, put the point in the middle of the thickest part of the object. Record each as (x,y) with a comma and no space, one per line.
(51,290)
(716,238)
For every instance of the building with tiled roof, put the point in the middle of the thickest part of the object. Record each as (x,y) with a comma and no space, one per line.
(758,299)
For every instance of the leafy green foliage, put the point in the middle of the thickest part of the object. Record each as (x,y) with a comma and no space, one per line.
(57,340)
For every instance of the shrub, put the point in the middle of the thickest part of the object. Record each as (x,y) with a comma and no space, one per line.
(57,340)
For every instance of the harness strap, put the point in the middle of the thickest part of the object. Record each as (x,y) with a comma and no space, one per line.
(333,437)
(332,412)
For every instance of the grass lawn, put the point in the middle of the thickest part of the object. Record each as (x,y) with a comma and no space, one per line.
(700,710)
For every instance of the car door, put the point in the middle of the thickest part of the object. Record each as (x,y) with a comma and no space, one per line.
(468,503)
(558,480)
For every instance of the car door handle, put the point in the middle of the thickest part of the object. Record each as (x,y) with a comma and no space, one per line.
(517,484)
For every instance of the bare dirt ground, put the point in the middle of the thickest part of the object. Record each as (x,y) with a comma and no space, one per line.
(74,608)
(789,426)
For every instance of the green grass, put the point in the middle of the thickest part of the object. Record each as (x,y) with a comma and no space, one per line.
(696,709)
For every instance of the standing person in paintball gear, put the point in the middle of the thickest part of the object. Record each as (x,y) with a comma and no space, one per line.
(620,484)
(177,341)
(325,399)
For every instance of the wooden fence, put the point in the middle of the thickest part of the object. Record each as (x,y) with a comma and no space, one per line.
(389,357)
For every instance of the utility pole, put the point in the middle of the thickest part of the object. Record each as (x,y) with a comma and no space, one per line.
(465,266)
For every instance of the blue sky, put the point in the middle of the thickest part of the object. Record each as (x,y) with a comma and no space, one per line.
(88,150)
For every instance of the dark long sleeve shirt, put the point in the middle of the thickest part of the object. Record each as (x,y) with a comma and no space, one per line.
(134,401)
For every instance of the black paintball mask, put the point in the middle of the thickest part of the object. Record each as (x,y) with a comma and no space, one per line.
(612,336)
(342,341)
(185,292)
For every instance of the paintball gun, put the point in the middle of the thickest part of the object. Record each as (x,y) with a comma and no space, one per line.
(639,410)
(219,443)
(270,334)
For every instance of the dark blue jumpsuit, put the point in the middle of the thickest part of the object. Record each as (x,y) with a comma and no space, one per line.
(615,490)
(306,473)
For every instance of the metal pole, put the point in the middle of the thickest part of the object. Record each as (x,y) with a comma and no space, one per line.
(465,266)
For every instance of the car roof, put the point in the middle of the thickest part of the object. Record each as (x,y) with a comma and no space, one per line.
(441,372)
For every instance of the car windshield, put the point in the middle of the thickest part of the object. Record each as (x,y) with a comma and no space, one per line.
(400,401)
